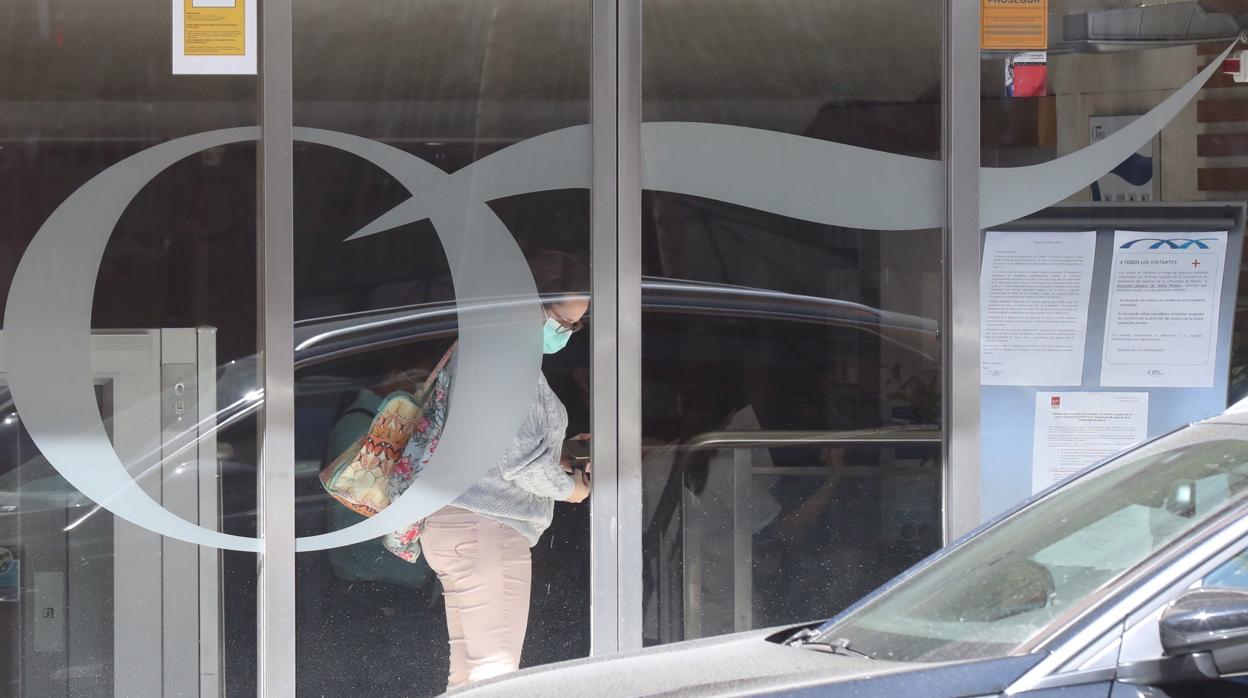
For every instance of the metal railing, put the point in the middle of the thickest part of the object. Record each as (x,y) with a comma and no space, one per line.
(677,494)
(782,439)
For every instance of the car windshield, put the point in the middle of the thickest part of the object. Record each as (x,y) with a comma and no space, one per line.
(998,591)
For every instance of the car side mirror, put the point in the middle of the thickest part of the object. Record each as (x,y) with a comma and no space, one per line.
(1204,635)
(1208,622)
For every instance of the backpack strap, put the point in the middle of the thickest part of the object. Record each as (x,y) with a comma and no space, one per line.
(433,375)
(441,364)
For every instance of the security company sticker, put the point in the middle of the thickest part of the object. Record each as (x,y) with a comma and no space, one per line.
(1014,25)
(214,37)
(214,28)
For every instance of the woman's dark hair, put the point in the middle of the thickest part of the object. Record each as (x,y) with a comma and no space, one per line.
(559,272)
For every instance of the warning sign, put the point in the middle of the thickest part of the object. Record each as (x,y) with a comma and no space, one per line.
(1014,24)
(214,28)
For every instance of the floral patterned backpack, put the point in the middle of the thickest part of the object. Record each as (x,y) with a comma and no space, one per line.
(383,463)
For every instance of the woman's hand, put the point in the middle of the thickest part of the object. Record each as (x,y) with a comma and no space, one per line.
(565,460)
(580,487)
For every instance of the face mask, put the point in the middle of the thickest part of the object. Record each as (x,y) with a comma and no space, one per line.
(554,337)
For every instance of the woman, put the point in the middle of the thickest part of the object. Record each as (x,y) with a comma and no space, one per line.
(479,544)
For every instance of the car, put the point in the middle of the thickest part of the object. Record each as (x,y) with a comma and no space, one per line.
(1127,579)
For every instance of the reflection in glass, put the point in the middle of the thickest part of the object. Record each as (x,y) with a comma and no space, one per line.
(790,368)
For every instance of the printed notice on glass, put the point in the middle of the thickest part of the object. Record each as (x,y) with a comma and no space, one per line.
(1076,429)
(1014,24)
(1161,322)
(1034,290)
(214,37)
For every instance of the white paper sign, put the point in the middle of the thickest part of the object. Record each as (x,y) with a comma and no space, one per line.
(214,37)
(1034,307)
(1076,429)
(1161,323)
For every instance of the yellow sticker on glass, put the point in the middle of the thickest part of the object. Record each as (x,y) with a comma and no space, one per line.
(214,28)
(1014,24)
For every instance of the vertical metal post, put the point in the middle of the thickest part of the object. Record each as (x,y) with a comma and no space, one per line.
(742,540)
(275,230)
(179,560)
(211,637)
(960,321)
(692,521)
(628,400)
(616,615)
(604,513)
(136,551)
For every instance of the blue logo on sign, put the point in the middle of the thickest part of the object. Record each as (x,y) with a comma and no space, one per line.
(1179,244)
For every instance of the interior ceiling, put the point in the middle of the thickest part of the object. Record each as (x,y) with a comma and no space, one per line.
(484,68)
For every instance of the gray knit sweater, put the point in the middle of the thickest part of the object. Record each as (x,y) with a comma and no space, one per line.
(521,489)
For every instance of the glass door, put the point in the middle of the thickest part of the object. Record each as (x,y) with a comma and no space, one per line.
(792,298)
(442,214)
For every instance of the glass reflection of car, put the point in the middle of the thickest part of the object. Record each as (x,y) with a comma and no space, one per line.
(1129,579)
(341,340)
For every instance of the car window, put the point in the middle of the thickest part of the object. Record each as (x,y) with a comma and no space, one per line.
(989,597)
(1233,573)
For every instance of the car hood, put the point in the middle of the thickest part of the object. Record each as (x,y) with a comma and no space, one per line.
(740,664)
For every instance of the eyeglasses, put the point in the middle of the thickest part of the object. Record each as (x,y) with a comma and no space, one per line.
(565,327)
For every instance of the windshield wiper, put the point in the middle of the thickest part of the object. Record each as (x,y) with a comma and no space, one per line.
(838,646)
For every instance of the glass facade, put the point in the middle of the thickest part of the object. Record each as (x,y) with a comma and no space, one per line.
(696,269)
(136,247)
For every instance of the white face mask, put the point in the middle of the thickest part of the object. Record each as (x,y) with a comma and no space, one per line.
(554,336)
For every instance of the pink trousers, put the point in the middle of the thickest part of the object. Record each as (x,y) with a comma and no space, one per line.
(487,576)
